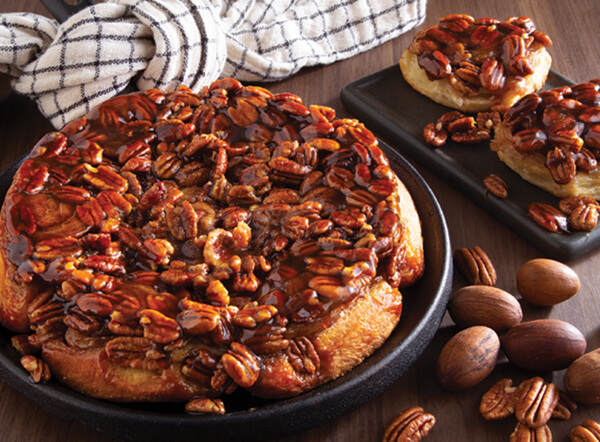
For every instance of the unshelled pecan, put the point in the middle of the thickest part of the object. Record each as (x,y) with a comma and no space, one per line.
(412,424)
(475,265)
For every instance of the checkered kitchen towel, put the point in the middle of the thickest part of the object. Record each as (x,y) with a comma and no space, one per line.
(70,68)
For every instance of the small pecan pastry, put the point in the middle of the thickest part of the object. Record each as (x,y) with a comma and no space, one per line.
(477,65)
(174,246)
(552,140)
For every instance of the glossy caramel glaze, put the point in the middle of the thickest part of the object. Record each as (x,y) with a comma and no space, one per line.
(185,244)
(475,65)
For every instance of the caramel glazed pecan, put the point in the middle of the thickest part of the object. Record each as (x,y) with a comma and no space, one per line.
(480,55)
(207,232)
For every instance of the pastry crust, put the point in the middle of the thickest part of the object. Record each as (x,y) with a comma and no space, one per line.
(173,246)
(477,65)
(442,92)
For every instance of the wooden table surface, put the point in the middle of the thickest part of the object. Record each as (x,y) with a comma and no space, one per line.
(573,27)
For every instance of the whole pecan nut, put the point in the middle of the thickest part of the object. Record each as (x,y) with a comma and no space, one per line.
(412,424)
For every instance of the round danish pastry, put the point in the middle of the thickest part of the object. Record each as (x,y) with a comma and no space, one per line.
(477,65)
(173,246)
(552,139)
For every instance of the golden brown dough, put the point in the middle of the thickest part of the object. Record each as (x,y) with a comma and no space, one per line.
(172,246)
(477,65)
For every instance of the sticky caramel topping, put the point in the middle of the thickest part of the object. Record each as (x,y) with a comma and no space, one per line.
(480,56)
(563,124)
(225,216)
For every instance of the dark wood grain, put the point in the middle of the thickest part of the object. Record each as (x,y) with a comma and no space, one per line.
(573,27)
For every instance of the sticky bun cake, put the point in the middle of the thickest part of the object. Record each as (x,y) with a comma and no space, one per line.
(477,65)
(552,139)
(172,246)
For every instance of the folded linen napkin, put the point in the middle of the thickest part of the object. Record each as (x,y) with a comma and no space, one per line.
(70,68)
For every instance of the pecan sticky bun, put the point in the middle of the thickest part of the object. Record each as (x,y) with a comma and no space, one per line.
(476,65)
(552,139)
(173,246)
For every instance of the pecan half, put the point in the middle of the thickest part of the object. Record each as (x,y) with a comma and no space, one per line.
(496,186)
(500,401)
(522,433)
(205,405)
(241,365)
(548,217)
(303,356)
(412,424)
(569,204)
(588,431)
(565,406)
(537,402)
(476,266)
(37,368)
(584,217)
(134,352)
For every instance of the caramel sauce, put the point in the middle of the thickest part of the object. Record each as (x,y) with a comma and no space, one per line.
(564,118)
(459,42)
(70,174)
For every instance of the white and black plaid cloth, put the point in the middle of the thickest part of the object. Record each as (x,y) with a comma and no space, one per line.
(70,68)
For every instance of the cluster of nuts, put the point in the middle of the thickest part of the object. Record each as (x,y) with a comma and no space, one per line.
(462,128)
(533,402)
(478,54)
(560,124)
(491,320)
(573,213)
